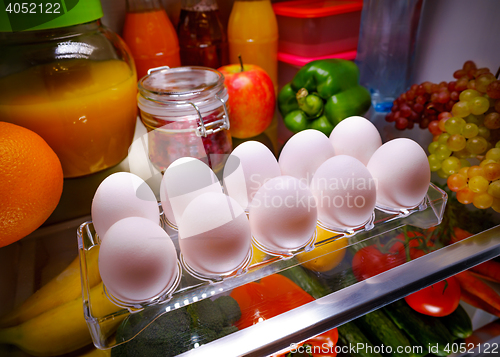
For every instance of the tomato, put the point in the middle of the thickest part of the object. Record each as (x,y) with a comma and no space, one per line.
(370,261)
(416,243)
(320,346)
(439,299)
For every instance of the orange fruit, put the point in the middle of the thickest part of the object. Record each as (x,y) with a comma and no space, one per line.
(31,182)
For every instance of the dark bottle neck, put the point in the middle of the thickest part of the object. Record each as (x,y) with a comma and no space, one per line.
(199,5)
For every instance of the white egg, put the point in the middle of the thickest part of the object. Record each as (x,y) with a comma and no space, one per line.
(214,234)
(401,170)
(185,179)
(345,193)
(137,260)
(304,153)
(247,168)
(357,137)
(283,215)
(122,195)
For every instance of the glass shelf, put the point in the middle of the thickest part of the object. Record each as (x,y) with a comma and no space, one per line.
(103,322)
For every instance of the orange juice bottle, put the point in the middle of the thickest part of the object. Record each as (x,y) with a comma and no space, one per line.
(253,34)
(150,36)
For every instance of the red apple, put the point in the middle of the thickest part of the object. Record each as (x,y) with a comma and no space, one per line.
(251,99)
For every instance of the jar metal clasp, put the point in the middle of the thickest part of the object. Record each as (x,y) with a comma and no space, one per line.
(215,126)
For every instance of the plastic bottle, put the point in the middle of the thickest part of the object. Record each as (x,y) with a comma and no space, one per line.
(253,34)
(202,38)
(150,36)
(386,48)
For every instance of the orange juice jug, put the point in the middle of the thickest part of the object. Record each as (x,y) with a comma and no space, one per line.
(72,81)
(253,34)
(150,36)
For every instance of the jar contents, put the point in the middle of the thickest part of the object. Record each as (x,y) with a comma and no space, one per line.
(85,110)
(168,141)
(184,111)
(150,36)
(203,41)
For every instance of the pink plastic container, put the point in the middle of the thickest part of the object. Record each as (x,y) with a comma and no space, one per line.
(315,28)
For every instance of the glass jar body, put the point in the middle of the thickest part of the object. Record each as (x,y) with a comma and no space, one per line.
(184,110)
(74,86)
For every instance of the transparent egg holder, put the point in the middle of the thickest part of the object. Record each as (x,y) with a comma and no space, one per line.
(191,286)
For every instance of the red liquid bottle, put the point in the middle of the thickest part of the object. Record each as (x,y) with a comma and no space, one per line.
(202,38)
(150,36)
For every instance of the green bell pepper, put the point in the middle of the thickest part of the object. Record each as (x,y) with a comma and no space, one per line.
(323,89)
(296,121)
(311,104)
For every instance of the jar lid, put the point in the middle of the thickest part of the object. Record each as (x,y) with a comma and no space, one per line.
(44,15)
(179,88)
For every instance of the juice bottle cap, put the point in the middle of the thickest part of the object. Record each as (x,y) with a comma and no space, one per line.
(44,15)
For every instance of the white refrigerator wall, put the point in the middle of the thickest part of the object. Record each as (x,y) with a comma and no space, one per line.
(454,31)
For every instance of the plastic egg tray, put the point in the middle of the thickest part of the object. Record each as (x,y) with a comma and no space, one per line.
(192,288)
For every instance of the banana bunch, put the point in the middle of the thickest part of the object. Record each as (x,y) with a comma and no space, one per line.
(51,322)
(61,289)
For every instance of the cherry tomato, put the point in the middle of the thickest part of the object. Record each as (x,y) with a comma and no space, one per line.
(416,239)
(439,299)
(370,261)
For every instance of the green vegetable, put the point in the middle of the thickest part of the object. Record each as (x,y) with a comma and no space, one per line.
(227,331)
(311,104)
(306,281)
(351,335)
(168,335)
(322,124)
(179,330)
(427,330)
(381,330)
(458,323)
(206,313)
(321,83)
(326,77)
(353,101)
(229,308)
(287,100)
(296,121)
